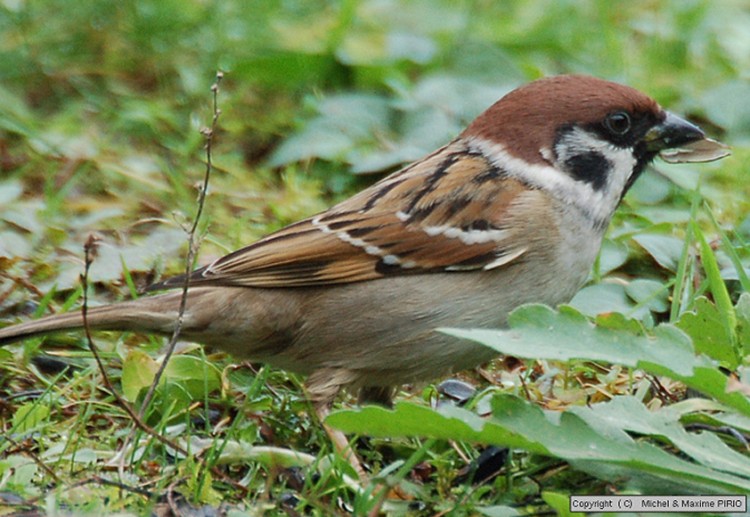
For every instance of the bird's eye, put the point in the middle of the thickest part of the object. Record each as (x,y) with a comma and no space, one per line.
(618,123)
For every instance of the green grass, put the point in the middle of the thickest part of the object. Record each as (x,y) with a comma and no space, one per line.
(100,115)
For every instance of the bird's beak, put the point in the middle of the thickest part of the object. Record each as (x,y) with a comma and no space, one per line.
(678,141)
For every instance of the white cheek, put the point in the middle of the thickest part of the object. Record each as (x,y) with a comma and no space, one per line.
(601,202)
(580,141)
(624,164)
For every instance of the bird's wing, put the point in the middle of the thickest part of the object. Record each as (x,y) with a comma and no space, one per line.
(444,213)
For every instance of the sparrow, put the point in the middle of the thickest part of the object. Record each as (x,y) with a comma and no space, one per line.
(512,211)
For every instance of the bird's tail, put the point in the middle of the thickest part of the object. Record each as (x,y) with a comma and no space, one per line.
(155,314)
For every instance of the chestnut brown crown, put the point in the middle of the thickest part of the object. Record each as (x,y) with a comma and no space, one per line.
(526,119)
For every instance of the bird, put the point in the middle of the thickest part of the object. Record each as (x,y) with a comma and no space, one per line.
(511,211)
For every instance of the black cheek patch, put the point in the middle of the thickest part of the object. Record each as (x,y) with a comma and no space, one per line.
(590,167)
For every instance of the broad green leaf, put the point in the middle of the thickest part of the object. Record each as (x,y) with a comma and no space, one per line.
(685,176)
(612,255)
(422,130)
(84,455)
(280,69)
(30,415)
(618,321)
(603,298)
(705,326)
(238,452)
(449,422)
(18,470)
(665,250)
(344,123)
(538,332)
(729,105)
(650,189)
(393,31)
(648,293)
(196,375)
(628,414)
(517,423)
(138,371)
(308,35)
(383,160)
(189,367)
(734,420)
(558,502)
(460,98)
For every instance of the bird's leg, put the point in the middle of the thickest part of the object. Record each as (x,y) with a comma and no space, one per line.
(379,395)
(322,386)
(340,443)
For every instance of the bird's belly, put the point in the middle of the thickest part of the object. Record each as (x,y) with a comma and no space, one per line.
(389,335)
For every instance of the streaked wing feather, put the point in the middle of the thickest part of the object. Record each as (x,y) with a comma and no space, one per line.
(424,218)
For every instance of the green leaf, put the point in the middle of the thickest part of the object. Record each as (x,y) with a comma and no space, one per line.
(18,471)
(743,323)
(280,69)
(650,189)
(629,414)
(705,326)
(603,298)
(196,375)
(731,252)
(718,288)
(649,293)
(10,190)
(591,443)
(371,48)
(729,104)
(345,124)
(460,98)
(497,511)
(30,415)
(612,255)
(138,371)
(189,367)
(448,422)
(739,422)
(617,321)
(665,250)
(15,117)
(538,332)
(560,503)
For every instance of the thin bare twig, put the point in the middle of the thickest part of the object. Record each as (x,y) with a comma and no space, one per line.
(90,254)
(90,251)
(208,134)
